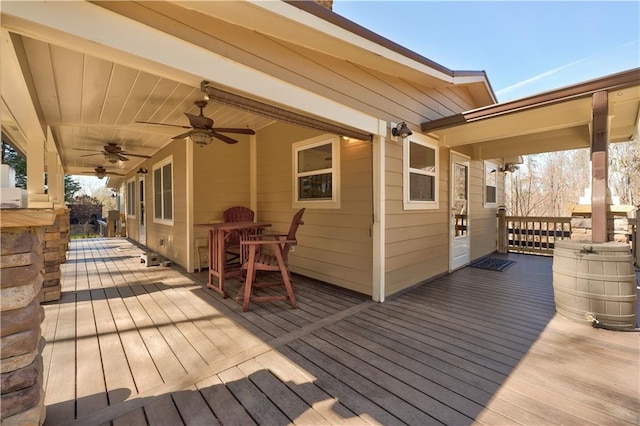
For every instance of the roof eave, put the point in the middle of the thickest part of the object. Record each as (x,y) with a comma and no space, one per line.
(611,82)
(456,77)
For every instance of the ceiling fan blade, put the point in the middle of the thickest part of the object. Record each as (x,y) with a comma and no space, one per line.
(234,130)
(115,174)
(223,138)
(183,135)
(84,149)
(91,155)
(163,124)
(134,155)
(122,157)
(199,121)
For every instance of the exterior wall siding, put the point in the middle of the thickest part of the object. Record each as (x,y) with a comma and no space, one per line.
(417,241)
(174,236)
(334,245)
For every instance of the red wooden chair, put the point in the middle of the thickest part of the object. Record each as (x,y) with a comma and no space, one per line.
(275,259)
(235,214)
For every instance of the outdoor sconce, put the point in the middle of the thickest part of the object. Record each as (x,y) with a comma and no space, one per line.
(142,171)
(401,130)
(509,168)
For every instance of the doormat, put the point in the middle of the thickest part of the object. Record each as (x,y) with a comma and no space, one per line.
(492,264)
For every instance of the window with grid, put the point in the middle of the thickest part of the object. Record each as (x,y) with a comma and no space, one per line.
(163,192)
(420,173)
(316,177)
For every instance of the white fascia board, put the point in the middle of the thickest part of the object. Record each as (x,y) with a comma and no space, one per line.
(107,35)
(300,16)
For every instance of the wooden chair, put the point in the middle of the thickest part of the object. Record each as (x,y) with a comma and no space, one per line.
(274,260)
(236,214)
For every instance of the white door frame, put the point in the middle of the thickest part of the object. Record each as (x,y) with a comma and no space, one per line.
(142,212)
(459,227)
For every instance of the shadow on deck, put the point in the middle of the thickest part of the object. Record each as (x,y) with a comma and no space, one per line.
(154,346)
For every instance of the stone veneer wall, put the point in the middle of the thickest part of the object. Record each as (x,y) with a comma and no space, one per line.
(56,244)
(22,268)
(617,228)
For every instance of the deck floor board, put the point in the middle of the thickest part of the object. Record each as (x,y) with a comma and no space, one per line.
(129,344)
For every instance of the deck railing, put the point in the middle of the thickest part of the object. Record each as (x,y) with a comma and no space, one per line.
(538,235)
(534,235)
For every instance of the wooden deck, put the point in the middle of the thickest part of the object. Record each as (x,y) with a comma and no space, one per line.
(130,345)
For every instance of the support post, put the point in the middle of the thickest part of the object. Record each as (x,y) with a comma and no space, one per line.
(599,166)
(502,230)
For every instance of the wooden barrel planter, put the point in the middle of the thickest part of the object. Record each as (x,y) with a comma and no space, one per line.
(597,278)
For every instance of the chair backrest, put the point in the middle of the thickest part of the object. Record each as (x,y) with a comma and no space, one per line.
(238,214)
(295,222)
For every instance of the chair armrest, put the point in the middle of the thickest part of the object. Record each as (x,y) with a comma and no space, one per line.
(266,242)
(259,236)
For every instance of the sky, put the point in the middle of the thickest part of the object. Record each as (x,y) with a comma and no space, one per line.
(524,47)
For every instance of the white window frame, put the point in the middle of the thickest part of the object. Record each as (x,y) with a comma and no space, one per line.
(131,198)
(159,166)
(334,202)
(431,144)
(488,166)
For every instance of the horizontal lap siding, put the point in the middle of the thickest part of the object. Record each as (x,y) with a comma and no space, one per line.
(342,79)
(334,245)
(417,241)
(220,179)
(175,237)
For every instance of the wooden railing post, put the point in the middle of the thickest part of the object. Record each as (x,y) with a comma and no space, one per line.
(502,230)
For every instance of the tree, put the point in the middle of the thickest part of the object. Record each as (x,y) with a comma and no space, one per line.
(17,162)
(71,188)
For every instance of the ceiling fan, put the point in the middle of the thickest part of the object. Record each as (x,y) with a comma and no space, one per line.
(202,129)
(112,153)
(101,172)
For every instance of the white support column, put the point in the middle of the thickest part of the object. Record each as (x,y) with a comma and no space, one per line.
(191,247)
(55,174)
(379,213)
(36,160)
(253,174)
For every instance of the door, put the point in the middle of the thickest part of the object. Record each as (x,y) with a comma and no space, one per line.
(459,243)
(142,224)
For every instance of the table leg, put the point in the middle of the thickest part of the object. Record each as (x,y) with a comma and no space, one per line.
(217,256)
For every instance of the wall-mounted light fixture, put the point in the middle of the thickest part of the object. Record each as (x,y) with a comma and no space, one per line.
(401,130)
(509,168)
(142,171)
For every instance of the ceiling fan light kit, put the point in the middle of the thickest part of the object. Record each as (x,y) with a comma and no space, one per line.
(200,138)
(112,153)
(201,130)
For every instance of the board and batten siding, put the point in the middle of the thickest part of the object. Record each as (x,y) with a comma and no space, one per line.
(334,245)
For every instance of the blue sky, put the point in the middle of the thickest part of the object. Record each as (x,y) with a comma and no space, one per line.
(525,47)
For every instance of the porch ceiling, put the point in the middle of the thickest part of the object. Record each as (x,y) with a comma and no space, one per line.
(554,121)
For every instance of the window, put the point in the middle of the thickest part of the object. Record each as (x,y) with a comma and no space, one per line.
(420,173)
(490,185)
(163,192)
(131,198)
(316,179)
